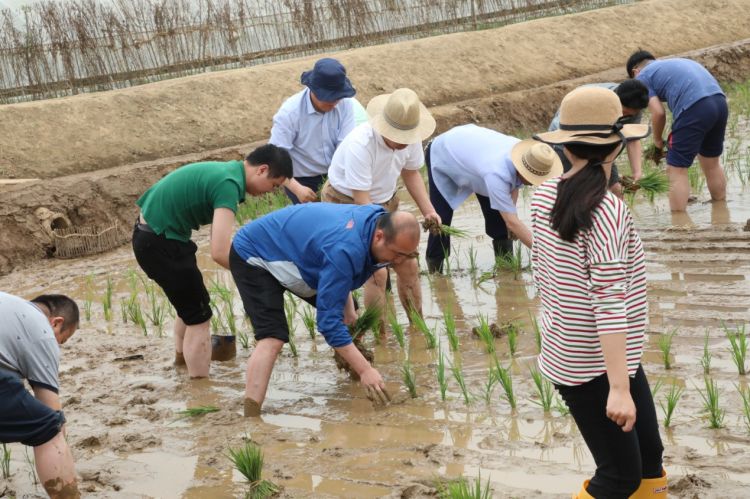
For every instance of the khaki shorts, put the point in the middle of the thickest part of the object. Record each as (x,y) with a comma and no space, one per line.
(330,195)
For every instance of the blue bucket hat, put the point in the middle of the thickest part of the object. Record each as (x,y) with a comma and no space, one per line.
(328,81)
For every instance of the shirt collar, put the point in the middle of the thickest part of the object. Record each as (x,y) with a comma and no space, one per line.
(308,103)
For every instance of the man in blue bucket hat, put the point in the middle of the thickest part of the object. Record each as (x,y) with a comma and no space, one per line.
(312,123)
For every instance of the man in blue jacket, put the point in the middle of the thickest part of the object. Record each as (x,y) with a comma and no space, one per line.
(319,252)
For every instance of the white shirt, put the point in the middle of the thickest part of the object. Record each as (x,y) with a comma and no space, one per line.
(364,163)
(470,159)
(311,137)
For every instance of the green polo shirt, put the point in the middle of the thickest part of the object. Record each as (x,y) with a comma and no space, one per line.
(185,199)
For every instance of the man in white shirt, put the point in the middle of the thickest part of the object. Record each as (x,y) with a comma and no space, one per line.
(365,170)
(312,123)
(469,160)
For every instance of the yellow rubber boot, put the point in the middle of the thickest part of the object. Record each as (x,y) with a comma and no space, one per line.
(583,494)
(652,488)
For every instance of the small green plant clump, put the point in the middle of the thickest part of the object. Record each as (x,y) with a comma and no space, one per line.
(398,330)
(369,320)
(248,460)
(461,488)
(744,391)
(737,346)
(409,379)
(506,381)
(193,412)
(308,319)
(665,346)
(107,300)
(669,404)
(485,334)
(419,322)
(711,404)
(544,390)
(5,462)
(450,330)
(459,377)
(706,358)
(440,372)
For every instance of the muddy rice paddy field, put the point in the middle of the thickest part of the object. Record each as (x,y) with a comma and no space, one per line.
(323,438)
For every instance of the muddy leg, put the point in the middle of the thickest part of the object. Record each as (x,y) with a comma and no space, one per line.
(409,290)
(258,373)
(197,349)
(716,181)
(179,338)
(679,187)
(375,294)
(56,470)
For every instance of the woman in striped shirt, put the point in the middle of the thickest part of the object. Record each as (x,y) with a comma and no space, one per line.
(589,271)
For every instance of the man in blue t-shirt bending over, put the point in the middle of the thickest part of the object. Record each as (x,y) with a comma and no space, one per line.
(320,252)
(699,111)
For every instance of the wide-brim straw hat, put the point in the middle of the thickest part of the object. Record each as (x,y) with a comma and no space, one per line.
(591,115)
(536,162)
(400,117)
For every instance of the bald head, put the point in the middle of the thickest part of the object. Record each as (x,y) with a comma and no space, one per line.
(396,237)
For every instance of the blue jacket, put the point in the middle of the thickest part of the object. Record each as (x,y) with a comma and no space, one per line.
(315,249)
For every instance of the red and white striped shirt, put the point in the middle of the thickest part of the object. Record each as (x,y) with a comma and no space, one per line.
(592,286)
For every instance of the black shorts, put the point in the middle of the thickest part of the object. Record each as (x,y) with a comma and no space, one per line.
(172,265)
(698,130)
(23,418)
(263,298)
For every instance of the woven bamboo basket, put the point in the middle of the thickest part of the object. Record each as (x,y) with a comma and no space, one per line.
(74,242)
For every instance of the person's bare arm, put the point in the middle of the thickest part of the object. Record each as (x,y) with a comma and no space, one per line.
(658,120)
(361,197)
(415,185)
(620,405)
(370,378)
(515,225)
(304,194)
(635,156)
(221,235)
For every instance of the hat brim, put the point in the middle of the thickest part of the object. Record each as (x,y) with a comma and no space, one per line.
(517,153)
(422,131)
(328,94)
(630,132)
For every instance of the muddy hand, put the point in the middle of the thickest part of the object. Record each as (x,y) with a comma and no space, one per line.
(378,396)
(374,386)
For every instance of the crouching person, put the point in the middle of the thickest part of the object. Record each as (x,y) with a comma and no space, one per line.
(319,252)
(30,335)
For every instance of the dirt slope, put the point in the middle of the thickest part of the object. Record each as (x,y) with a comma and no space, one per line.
(170,118)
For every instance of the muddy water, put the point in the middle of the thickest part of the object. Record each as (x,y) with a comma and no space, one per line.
(320,435)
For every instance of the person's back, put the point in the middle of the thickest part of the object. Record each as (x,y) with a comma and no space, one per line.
(186,198)
(679,82)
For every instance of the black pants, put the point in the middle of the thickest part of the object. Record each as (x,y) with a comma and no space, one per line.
(314,183)
(622,459)
(438,247)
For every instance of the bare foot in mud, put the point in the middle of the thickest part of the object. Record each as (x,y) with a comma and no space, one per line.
(252,408)
(57,489)
(179,359)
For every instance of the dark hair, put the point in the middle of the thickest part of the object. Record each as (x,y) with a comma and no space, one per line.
(632,94)
(385,223)
(579,195)
(60,306)
(278,160)
(636,58)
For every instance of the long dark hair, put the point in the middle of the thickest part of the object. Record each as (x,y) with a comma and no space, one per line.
(579,195)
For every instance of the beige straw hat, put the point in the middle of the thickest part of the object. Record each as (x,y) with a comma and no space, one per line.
(401,117)
(535,162)
(591,115)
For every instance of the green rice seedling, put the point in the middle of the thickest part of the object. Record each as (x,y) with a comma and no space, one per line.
(543,388)
(448,230)
(472,259)
(32,466)
(738,346)
(696,179)
(135,314)
(450,329)
(512,330)
(398,330)
(194,412)
(419,322)
(290,309)
(512,262)
(711,403)
(107,300)
(459,376)
(292,343)
(489,386)
(656,387)
(5,462)
(248,460)
(561,406)
(537,332)
(706,358)
(485,334)
(308,319)
(88,297)
(654,181)
(461,488)
(409,380)
(484,277)
(243,338)
(665,347)
(669,403)
(124,310)
(745,395)
(440,371)
(157,311)
(506,381)
(369,320)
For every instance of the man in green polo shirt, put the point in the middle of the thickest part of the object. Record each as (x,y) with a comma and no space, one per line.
(189,197)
